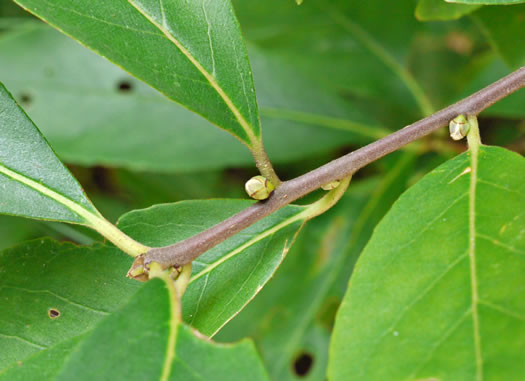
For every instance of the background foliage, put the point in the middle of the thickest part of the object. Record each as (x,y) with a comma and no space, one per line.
(327,78)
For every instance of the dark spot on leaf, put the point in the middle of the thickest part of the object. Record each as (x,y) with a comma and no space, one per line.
(124,86)
(53,313)
(25,99)
(303,364)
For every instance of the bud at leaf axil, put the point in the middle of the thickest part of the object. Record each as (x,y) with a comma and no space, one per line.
(259,188)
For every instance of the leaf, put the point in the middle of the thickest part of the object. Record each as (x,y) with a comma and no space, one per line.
(483,72)
(106,328)
(33,181)
(506,28)
(431,10)
(192,52)
(87,117)
(293,314)
(141,335)
(341,44)
(437,292)
(83,284)
(228,276)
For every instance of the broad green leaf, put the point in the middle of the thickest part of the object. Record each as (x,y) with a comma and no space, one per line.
(506,30)
(83,284)
(228,276)
(438,291)
(193,52)
(137,343)
(108,327)
(88,118)
(430,10)
(341,44)
(293,314)
(33,181)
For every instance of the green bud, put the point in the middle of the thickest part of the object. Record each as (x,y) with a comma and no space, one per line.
(459,127)
(259,188)
(331,185)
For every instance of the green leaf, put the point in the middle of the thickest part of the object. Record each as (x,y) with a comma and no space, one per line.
(192,52)
(83,284)
(87,117)
(341,44)
(106,328)
(482,73)
(228,276)
(135,347)
(438,291)
(293,314)
(506,30)
(431,10)
(33,181)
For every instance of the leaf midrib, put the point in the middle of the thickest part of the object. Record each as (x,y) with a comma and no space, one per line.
(474,151)
(76,208)
(248,129)
(300,215)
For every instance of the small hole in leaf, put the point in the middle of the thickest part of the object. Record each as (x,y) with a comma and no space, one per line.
(53,313)
(25,99)
(124,86)
(303,364)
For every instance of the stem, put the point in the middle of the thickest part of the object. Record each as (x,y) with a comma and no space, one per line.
(186,251)
(139,268)
(263,163)
(116,236)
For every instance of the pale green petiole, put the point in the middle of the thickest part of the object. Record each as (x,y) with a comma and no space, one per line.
(92,220)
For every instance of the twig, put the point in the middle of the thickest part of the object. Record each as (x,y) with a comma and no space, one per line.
(186,251)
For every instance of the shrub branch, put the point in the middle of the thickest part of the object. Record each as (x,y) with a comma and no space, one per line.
(185,251)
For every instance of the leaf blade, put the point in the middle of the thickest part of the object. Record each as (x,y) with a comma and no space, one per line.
(228,276)
(35,183)
(423,272)
(127,36)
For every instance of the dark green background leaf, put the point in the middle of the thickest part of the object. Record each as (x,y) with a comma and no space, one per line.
(76,99)
(506,30)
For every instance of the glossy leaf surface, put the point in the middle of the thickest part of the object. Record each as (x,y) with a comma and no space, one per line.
(43,275)
(437,292)
(104,327)
(140,333)
(33,181)
(228,276)
(196,56)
